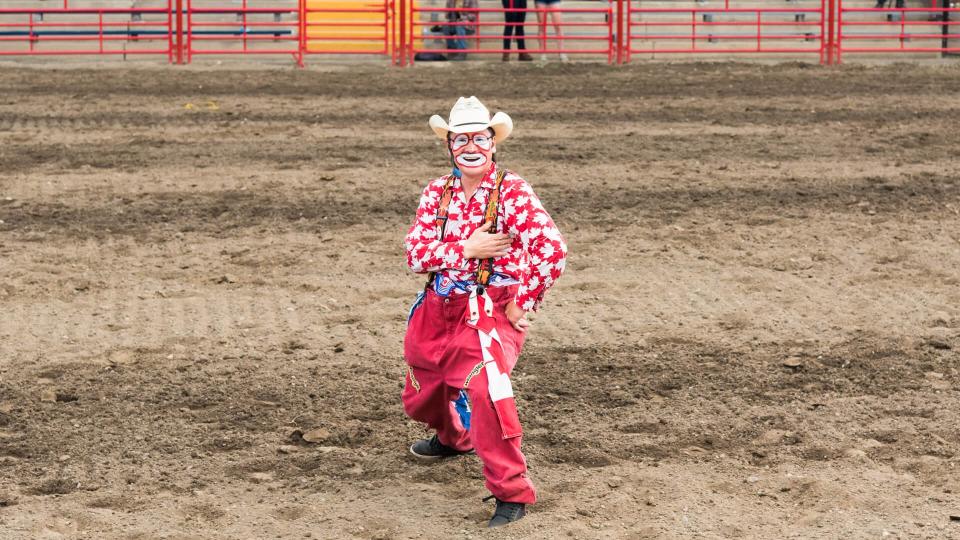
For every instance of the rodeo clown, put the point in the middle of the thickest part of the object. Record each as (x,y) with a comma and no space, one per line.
(491,252)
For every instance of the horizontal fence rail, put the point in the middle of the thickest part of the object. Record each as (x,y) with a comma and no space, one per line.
(70,28)
(561,31)
(728,30)
(350,27)
(247,27)
(893,30)
(407,31)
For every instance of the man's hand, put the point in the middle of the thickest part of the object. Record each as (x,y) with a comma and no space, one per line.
(517,317)
(483,245)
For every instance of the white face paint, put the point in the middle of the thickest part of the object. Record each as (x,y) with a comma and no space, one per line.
(482,140)
(466,161)
(472,152)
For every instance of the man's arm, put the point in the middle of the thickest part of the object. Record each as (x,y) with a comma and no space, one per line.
(542,242)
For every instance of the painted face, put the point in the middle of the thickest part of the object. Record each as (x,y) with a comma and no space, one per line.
(473,152)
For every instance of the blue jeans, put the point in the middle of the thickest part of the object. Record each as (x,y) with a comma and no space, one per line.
(460,31)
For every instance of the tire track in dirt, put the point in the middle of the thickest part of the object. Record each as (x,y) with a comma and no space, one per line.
(316,211)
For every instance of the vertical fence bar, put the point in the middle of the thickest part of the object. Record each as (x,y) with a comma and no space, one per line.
(411,26)
(693,29)
(386,28)
(243,17)
(903,29)
(100,27)
(301,32)
(402,49)
(169,31)
(759,30)
(30,30)
(945,29)
(392,13)
(179,8)
(838,47)
(628,30)
(189,31)
(620,27)
(823,35)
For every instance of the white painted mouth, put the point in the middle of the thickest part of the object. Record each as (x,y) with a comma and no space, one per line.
(471,160)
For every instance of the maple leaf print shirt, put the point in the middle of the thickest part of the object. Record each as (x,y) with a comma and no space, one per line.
(536,258)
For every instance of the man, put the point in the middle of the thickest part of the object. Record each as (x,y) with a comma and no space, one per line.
(492,252)
(461,16)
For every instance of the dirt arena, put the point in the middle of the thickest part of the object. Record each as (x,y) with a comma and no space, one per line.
(756,336)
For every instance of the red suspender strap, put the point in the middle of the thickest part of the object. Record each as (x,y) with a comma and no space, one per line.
(485,270)
(441,220)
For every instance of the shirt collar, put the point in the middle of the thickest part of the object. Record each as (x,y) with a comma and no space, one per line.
(489,179)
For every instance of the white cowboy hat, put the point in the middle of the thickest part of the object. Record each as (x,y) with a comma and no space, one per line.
(469,115)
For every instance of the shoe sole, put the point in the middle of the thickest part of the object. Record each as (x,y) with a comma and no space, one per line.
(436,458)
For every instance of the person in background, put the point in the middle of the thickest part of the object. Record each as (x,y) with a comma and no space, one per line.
(515,21)
(461,13)
(550,9)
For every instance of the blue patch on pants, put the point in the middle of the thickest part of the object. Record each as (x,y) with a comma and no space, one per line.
(463,409)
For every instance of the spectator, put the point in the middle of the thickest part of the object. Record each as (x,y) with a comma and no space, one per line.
(550,8)
(461,13)
(883,3)
(515,21)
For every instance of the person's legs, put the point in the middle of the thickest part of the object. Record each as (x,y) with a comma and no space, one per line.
(427,398)
(520,20)
(457,41)
(426,395)
(542,28)
(508,17)
(557,28)
(504,466)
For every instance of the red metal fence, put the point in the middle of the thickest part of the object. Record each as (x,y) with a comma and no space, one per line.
(103,30)
(728,30)
(932,29)
(244,27)
(492,31)
(406,31)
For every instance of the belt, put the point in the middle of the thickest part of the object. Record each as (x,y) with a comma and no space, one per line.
(444,286)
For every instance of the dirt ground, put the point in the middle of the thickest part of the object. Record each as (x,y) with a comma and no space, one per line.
(756,336)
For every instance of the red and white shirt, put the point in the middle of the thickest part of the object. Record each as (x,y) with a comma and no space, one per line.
(537,256)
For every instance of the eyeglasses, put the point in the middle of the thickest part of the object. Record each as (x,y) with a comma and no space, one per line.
(480,139)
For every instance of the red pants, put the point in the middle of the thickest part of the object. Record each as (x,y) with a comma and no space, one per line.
(444,355)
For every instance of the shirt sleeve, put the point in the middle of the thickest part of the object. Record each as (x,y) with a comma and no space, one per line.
(542,243)
(426,252)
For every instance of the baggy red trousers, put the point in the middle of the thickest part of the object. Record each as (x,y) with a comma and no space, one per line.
(444,356)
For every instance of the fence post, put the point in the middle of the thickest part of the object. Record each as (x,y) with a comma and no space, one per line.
(833,31)
(179,8)
(301,31)
(620,27)
(403,33)
(836,17)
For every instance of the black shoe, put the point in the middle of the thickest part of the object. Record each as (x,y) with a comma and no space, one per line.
(431,449)
(506,512)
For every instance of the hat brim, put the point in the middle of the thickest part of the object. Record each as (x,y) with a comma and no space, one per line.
(501,124)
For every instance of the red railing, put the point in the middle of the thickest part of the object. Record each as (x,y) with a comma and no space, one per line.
(368,28)
(898,30)
(403,29)
(69,30)
(727,29)
(575,31)
(222,27)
